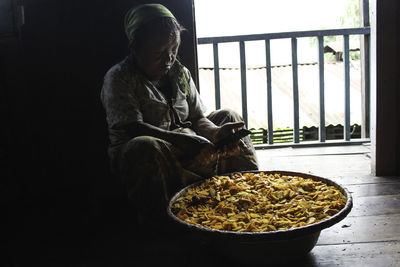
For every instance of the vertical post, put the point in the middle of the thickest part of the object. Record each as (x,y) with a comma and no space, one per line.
(346,58)
(269,92)
(216,77)
(365,70)
(185,13)
(243,80)
(322,130)
(296,135)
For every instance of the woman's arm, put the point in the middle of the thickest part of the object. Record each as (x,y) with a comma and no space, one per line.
(206,128)
(186,142)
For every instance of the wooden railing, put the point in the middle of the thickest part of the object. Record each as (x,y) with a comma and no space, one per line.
(320,35)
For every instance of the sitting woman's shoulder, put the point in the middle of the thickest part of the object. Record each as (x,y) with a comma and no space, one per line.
(120,73)
(118,69)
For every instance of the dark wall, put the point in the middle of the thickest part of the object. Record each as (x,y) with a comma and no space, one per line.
(54,134)
(388,88)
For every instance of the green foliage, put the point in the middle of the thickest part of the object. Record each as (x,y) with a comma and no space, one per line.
(329,57)
(351,17)
(355,55)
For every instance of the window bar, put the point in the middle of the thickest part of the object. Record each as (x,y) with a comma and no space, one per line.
(322,130)
(243,81)
(216,77)
(269,92)
(296,135)
(346,58)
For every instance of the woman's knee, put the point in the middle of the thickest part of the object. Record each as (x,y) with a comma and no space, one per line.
(222,116)
(141,147)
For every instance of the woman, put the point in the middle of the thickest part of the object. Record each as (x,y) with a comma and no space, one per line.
(160,139)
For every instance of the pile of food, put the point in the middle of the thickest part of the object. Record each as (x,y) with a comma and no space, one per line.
(258,202)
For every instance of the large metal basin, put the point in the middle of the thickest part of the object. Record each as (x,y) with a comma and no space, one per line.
(263,247)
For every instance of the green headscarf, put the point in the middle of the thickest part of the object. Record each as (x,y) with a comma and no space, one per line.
(140,15)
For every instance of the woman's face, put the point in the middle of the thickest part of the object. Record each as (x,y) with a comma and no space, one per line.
(157,54)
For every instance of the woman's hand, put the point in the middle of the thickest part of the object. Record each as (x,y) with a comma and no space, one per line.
(226,130)
(197,153)
(233,148)
(192,145)
(216,133)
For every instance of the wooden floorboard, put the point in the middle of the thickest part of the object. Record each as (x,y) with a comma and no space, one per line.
(376,205)
(322,161)
(370,234)
(377,254)
(324,165)
(379,228)
(372,189)
(360,178)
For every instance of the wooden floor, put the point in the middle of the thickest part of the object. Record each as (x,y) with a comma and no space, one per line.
(370,234)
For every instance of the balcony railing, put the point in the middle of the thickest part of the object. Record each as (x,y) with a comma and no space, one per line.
(320,35)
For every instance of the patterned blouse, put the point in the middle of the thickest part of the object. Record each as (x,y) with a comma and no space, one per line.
(128,96)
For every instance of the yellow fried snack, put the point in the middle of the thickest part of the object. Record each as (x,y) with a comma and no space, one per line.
(258,202)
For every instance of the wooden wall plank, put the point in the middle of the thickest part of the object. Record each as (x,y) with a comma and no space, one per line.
(184,12)
(387,129)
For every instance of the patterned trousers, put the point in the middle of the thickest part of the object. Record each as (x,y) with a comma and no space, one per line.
(152,172)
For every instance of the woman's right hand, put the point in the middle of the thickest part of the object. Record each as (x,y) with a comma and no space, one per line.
(192,145)
(198,154)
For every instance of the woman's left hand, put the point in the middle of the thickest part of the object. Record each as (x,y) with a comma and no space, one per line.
(233,148)
(227,129)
